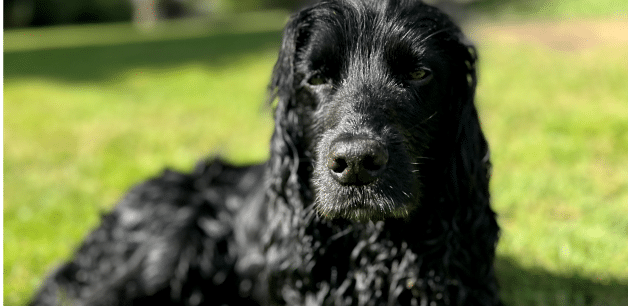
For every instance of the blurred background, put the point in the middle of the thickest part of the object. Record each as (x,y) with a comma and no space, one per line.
(102,94)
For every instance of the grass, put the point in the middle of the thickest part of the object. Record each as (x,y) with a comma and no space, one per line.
(84,121)
(558,9)
(558,125)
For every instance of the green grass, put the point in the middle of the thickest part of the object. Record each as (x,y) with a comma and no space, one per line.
(558,127)
(553,9)
(84,121)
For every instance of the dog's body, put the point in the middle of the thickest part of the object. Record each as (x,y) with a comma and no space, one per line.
(376,192)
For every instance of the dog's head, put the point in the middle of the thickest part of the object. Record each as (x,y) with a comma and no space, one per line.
(370,100)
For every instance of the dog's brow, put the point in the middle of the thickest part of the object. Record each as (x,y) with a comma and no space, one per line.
(432,34)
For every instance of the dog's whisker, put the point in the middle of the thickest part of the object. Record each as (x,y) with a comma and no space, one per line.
(444,30)
(430,117)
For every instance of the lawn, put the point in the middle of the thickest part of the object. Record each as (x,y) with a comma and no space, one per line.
(557,121)
(89,111)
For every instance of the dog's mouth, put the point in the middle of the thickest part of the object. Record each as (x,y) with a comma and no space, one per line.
(380,200)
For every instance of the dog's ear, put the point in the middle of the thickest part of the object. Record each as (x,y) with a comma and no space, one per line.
(286,142)
(471,166)
(288,185)
(470,170)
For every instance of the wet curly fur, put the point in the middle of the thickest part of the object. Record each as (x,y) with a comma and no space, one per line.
(376,191)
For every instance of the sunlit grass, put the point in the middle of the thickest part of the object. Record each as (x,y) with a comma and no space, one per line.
(535,9)
(130,32)
(558,127)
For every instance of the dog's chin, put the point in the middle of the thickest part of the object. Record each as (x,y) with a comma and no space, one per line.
(363,215)
(362,203)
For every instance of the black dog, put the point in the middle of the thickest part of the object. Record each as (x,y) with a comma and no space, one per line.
(376,192)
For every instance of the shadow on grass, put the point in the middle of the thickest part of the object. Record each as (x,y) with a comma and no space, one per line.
(99,63)
(536,287)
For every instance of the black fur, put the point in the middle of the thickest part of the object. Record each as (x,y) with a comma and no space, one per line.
(376,191)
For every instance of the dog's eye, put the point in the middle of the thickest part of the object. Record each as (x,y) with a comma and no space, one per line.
(422,75)
(317,79)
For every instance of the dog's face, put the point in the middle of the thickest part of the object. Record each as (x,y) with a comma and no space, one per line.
(374,83)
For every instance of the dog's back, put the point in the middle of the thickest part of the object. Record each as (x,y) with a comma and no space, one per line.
(173,238)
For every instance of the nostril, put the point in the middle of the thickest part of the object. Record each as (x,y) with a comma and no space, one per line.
(375,162)
(369,163)
(337,165)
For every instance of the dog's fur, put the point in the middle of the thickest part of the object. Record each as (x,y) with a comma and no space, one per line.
(376,191)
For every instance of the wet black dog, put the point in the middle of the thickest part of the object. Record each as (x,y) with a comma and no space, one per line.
(376,192)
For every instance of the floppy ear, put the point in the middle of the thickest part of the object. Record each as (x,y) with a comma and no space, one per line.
(470,163)
(474,147)
(466,191)
(286,142)
(470,174)
(289,182)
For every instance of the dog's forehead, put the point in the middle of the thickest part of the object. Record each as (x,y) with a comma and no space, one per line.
(387,36)
(343,25)
(368,16)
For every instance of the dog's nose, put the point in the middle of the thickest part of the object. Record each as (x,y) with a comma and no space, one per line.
(356,160)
